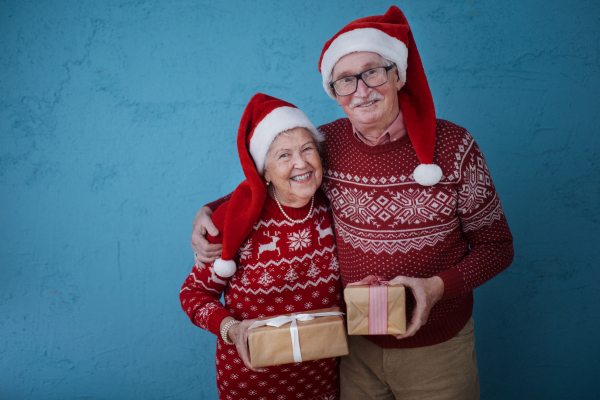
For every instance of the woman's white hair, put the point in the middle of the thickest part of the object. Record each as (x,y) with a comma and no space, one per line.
(317,139)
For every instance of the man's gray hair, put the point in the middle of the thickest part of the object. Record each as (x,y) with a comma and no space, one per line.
(383,59)
(387,62)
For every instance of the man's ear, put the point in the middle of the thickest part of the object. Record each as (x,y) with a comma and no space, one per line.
(399,85)
(398,81)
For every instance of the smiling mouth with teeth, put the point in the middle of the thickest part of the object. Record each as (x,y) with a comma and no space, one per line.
(301,177)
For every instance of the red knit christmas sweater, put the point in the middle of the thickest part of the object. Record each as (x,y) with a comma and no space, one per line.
(282,268)
(389,225)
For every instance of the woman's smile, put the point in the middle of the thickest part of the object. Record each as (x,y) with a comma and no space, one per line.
(294,167)
(302,178)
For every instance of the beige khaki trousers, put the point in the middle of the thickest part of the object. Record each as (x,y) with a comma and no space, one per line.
(445,371)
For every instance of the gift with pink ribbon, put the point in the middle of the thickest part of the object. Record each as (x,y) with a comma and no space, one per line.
(297,337)
(375,307)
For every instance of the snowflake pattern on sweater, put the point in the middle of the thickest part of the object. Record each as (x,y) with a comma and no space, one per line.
(387,224)
(282,268)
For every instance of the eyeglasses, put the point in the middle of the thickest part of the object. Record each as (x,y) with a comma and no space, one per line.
(372,78)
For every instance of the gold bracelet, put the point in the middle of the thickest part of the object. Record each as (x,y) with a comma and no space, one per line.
(225,330)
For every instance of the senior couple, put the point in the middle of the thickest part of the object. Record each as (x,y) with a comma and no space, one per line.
(412,201)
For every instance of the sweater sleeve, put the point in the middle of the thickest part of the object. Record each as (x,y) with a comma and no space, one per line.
(201,292)
(215,204)
(484,225)
(200,296)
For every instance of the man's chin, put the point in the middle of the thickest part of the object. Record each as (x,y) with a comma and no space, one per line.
(367,117)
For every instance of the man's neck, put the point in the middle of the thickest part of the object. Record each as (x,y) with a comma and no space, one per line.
(373,132)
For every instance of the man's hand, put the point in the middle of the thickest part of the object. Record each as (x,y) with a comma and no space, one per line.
(205,252)
(427,292)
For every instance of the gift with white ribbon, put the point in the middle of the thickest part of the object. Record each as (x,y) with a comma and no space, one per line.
(322,331)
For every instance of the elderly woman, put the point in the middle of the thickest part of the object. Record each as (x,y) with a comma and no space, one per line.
(279,255)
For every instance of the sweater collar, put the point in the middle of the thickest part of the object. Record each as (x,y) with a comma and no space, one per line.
(394,132)
(294,213)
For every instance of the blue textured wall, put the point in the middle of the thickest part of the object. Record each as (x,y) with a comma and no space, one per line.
(117,121)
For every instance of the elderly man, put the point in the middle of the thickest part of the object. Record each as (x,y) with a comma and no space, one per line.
(413,202)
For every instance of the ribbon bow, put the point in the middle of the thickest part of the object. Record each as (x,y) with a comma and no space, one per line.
(284,319)
(373,280)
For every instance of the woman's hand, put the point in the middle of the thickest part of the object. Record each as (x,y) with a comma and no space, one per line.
(427,292)
(205,252)
(238,334)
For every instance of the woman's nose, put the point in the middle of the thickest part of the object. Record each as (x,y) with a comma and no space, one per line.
(299,161)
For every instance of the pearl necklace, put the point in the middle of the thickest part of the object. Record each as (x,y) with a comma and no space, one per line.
(295,221)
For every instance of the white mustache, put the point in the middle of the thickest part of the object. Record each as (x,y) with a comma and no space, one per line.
(357,101)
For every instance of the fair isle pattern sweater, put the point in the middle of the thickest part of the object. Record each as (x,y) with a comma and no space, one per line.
(387,224)
(282,268)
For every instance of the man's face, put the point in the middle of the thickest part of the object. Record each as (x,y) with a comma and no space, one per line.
(360,107)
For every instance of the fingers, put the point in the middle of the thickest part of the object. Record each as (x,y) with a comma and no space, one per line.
(419,317)
(242,345)
(204,251)
(203,222)
(401,280)
(420,313)
(415,323)
(207,252)
(208,225)
(199,263)
(244,354)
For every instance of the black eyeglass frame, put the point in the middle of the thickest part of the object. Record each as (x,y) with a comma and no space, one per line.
(359,76)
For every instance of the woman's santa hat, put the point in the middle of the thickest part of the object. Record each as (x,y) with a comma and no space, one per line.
(263,119)
(390,36)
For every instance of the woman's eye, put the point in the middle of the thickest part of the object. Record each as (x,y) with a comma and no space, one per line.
(307,148)
(283,155)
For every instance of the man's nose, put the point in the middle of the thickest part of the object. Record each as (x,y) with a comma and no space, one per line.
(362,89)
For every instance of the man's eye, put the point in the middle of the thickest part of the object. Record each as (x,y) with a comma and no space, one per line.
(347,79)
(370,72)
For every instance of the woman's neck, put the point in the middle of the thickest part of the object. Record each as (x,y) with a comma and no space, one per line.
(294,202)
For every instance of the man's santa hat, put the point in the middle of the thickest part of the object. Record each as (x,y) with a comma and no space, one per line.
(390,36)
(263,119)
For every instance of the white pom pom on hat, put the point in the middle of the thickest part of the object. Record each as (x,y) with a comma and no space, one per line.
(224,268)
(427,174)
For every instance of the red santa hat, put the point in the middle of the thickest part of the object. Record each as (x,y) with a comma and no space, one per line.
(263,119)
(390,36)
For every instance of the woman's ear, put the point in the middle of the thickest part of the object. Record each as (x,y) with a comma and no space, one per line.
(267,176)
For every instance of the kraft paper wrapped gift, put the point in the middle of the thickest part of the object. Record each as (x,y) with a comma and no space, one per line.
(321,337)
(370,296)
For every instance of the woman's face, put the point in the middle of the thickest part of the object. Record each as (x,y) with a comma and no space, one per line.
(294,167)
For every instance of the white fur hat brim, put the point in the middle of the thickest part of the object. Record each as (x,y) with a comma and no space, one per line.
(279,120)
(364,39)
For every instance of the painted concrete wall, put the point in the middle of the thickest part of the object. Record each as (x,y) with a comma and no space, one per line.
(117,121)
